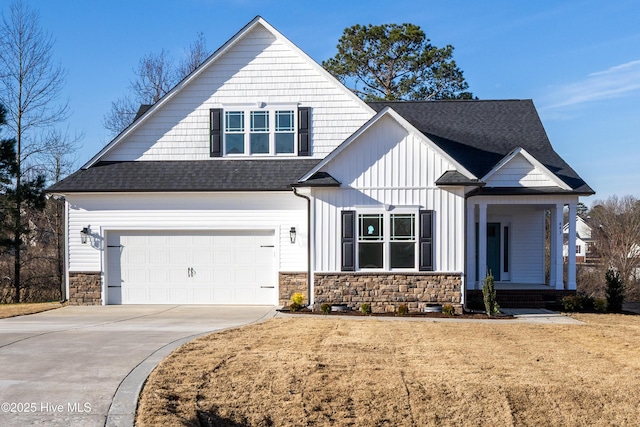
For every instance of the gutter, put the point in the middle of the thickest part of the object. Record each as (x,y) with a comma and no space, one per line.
(295,192)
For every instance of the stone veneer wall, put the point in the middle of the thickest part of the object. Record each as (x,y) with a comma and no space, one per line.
(387,291)
(290,283)
(84,289)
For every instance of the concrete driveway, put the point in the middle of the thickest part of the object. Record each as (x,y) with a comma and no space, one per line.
(84,366)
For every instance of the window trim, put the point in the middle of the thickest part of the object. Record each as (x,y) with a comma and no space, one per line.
(248,113)
(386,239)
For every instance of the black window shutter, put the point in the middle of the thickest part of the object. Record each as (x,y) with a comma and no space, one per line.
(426,240)
(348,241)
(303,132)
(215,131)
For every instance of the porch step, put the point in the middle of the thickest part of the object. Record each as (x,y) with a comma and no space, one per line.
(526,298)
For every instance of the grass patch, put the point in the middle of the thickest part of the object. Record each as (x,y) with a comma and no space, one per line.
(11,310)
(322,371)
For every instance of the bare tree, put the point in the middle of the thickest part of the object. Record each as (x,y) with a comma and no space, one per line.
(30,88)
(155,76)
(195,55)
(617,222)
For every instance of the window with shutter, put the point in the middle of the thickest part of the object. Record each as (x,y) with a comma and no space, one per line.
(384,240)
(269,131)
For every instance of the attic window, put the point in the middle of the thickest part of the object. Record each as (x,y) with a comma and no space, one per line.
(269,132)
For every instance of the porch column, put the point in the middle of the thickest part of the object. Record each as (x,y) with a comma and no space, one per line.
(571,247)
(555,231)
(472,280)
(482,243)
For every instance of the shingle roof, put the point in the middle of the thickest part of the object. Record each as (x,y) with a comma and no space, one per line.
(478,134)
(203,175)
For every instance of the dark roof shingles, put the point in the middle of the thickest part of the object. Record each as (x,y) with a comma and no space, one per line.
(478,134)
(202,175)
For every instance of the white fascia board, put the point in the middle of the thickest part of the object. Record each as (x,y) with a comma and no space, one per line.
(402,122)
(258,20)
(506,159)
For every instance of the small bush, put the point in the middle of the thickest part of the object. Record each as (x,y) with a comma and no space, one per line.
(448,310)
(297,300)
(325,308)
(600,305)
(615,291)
(403,310)
(572,303)
(579,302)
(489,295)
(365,308)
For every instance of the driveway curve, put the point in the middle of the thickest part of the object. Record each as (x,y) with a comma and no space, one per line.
(84,366)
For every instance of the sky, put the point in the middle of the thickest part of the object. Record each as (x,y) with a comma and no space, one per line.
(578,60)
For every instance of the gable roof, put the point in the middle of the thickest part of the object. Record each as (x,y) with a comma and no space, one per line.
(532,161)
(387,111)
(185,176)
(147,111)
(479,134)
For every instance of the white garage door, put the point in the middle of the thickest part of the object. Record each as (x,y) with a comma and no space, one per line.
(199,267)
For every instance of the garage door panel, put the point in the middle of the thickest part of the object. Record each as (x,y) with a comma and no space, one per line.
(199,267)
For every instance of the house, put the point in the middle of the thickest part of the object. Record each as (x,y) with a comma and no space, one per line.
(585,241)
(260,175)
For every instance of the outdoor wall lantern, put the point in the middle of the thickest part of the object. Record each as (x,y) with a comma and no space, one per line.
(292,235)
(84,235)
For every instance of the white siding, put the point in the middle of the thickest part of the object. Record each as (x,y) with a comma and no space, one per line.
(193,211)
(389,166)
(519,172)
(258,68)
(527,245)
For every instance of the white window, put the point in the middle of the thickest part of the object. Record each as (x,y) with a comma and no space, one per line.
(387,241)
(270,131)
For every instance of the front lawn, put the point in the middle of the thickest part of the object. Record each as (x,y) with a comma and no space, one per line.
(11,310)
(321,371)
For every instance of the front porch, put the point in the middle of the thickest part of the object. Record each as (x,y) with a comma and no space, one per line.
(519,240)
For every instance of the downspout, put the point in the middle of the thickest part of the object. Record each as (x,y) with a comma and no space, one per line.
(295,192)
(465,277)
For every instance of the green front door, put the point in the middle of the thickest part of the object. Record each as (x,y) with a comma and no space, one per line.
(493,250)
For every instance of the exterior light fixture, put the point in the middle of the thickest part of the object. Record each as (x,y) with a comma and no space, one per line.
(84,235)
(292,235)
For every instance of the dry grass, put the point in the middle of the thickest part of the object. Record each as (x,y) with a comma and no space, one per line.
(321,371)
(11,310)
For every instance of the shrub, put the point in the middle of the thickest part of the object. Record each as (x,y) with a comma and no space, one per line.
(572,303)
(615,291)
(489,295)
(448,310)
(579,302)
(365,308)
(325,308)
(403,310)
(297,300)
(600,305)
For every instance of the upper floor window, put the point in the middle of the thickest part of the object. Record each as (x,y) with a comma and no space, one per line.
(269,132)
(275,130)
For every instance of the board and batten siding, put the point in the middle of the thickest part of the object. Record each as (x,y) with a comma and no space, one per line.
(192,211)
(259,68)
(519,172)
(387,165)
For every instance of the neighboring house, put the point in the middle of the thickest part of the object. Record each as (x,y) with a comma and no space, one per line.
(585,241)
(260,175)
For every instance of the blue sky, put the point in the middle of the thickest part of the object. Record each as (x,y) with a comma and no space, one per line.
(579,60)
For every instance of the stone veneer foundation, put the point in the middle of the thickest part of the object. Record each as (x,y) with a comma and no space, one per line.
(387,291)
(84,288)
(290,283)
